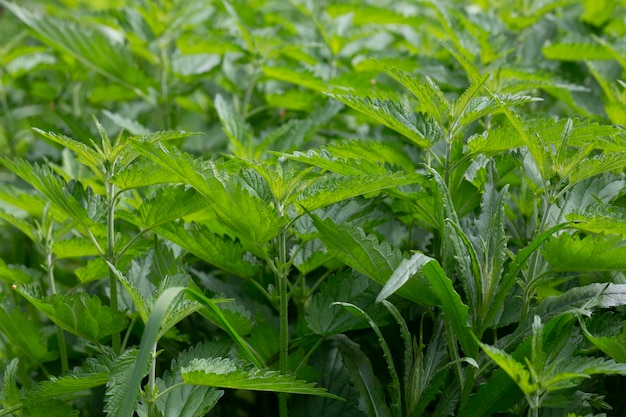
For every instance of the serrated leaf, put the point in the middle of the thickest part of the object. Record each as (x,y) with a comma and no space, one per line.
(600,219)
(591,253)
(334,190)
(415,127)
(84,154)
(25,335)
(372,397)
(49,408)
(245,214)
(372,150)
(74,248)
(9,384)
(374,259)
(94,50)
(325,319)
(431,99)
(16,273)
(220,251)
(78,313)
(301,78)
(576,51)
(140,174)
(228,373)
(168,204)
(237,130)
(93,373)
(514,369)
(584,132)
(120,381)
(583,300)
(43,179)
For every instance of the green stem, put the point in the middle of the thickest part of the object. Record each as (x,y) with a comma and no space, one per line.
(283,346)
(110,189)
(60,335)
(151,388)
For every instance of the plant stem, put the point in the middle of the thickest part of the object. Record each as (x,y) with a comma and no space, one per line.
(151,389)
(283,344)
(110,190)
(60,335)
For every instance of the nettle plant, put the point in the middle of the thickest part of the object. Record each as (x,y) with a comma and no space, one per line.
(412,209)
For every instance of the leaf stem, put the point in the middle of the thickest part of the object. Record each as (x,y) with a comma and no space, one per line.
(110,190)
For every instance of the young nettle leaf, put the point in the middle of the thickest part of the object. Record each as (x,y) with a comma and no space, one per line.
(246,215)
(374,259)
(94,372)
(78,314)
(431,98)
(10,389)
(92,158)
(16,273)
(237,130)
(416,127)
(600,219)
(221,251)
(228,373)
(591,253)
(139,174)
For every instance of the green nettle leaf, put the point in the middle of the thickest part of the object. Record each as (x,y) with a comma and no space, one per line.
(91,48)
(141,173)
(591,253)
(75,248)
(84,154)
(583,133)
(49,408)
(9,384)
(121,382)
(237,130)
(364,150)
(301,78)
(93,373)
(600,219)
(245,214)
(376,260)
(25,335)
(372,397)
(452,305)
(166,205)
(16,273)
(325,319)
(334,190)
(582,300)
(220,251)
(614,346)
(78,314)
(229,373)
(43,179)
(431,98)
(416,127)
(576,51)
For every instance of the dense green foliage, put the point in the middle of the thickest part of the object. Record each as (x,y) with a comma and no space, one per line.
(312,208)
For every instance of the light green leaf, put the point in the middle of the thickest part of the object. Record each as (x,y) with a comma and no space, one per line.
(576,51)
(77,313)
(49,408)
(514,369)
(140,174)
(301,78)
(591,253)
(9,384)
(600,219)
(94,50)
(245,214)
(334,190)
(416,127)
(84,154)
(431,99)
(228,373)
(374,259)
(16,273)
(235,127)
(74,248)
(93,373)
(220,251)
